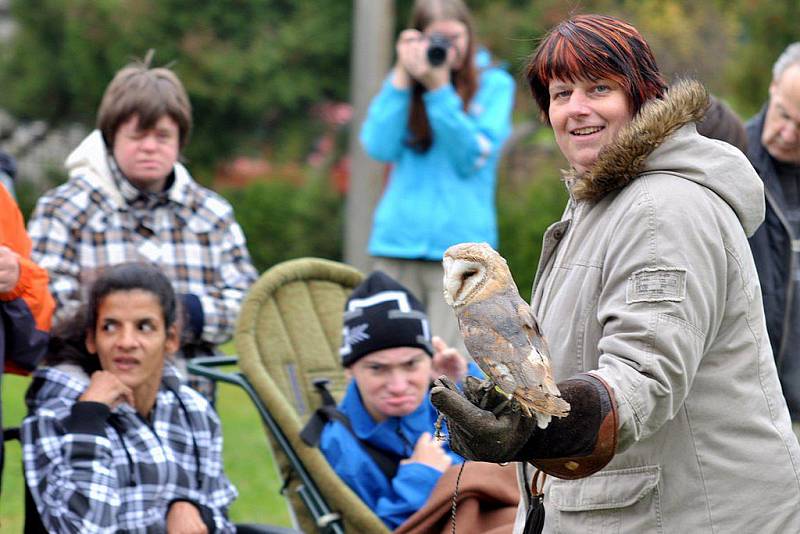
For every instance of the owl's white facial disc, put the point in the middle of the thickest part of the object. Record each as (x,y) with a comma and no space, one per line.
(463,278)
(447,263)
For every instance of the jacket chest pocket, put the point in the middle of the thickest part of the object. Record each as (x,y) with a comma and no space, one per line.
(623,501)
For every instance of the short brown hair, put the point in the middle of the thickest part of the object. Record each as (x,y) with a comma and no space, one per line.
(147,92)
(594,47)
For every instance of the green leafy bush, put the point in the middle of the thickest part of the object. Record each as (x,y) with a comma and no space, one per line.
(282,220)
(252,68)
(523,217)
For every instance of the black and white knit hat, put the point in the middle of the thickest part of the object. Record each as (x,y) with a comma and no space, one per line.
(382,314)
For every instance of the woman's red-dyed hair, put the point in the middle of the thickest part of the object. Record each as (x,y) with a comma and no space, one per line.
(594,47)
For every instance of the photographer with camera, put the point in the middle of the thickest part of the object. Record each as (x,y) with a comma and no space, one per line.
(440,120)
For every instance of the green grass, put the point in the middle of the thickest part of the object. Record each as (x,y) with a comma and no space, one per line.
(248,461)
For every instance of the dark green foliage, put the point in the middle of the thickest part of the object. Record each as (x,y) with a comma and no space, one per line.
(283,221)
(252,67)
(523,217)
(769,26)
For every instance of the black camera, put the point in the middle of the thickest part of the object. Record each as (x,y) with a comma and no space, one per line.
(437,49)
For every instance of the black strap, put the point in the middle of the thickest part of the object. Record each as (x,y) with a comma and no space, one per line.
(11,434)
(534,519)
(386,461)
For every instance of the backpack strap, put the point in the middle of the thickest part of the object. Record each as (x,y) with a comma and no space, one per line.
(386,461)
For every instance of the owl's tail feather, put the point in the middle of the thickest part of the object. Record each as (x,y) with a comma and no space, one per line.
(535,402)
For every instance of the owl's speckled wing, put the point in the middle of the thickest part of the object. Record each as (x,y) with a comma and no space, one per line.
(502,335)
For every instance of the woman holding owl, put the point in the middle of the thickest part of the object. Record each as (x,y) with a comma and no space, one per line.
(649,299)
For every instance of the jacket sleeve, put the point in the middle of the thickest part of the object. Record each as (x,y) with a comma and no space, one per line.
(385,128)
(410,489)
(66,461)
(393,501)
(216,492)
(664,293)
(54,249)
(473,137)
(220,304)
(27,309)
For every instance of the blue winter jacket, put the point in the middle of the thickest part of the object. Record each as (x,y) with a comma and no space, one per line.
(445,195)
(396,500)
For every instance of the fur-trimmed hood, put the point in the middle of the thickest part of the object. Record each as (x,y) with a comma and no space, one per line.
(662,138)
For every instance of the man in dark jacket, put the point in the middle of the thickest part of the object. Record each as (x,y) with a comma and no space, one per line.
(774,150)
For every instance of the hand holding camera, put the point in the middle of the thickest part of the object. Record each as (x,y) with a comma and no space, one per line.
(438,47)
(423,58)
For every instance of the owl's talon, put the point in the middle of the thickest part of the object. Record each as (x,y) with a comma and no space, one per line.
(484,389)
(438,428)
(497,410)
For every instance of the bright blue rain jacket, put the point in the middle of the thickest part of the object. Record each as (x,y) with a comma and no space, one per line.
(445,195)
(396,500)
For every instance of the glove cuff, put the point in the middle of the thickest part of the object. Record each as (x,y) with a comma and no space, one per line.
(582,443)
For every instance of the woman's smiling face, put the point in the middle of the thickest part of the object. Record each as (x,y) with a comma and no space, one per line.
(586,116)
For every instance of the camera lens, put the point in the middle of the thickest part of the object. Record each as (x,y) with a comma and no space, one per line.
(437,49)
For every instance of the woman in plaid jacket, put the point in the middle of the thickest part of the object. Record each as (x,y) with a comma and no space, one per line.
(114,442)
(128,198)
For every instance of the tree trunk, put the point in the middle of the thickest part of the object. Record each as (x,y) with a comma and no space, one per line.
(373,37)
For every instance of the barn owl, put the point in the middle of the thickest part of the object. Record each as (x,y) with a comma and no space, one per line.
(499,329)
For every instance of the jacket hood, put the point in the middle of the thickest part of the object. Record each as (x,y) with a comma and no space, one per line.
(662,138)
(65,381)
(68,382)
(89,161)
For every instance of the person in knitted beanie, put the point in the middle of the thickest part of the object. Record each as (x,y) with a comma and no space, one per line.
(391,359)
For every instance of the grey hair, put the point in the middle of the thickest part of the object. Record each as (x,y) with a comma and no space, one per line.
(789,58)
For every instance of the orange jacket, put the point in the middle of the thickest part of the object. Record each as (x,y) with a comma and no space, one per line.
(27,309)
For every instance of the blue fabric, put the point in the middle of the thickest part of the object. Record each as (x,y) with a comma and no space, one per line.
(771,245)
(392,500)
(445,195)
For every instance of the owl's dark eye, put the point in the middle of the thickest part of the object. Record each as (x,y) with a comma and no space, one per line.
(467,274)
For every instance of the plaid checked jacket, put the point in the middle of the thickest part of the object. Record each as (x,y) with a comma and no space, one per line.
(98,219)
(93,474)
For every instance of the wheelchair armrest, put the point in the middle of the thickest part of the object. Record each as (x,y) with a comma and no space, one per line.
(206,366)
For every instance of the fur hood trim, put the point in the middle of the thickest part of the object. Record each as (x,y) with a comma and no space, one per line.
(621,161)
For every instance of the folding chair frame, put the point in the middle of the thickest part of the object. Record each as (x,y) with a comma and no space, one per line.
(328,521)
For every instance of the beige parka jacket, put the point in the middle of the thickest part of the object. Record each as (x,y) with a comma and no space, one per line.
(648,282)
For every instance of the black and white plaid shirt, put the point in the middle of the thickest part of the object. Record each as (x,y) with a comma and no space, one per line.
(88,473)
(98,219)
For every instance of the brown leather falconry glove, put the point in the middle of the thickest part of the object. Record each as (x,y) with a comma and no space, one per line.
(484,426)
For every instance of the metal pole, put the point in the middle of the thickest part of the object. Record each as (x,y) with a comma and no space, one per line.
(372,50)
